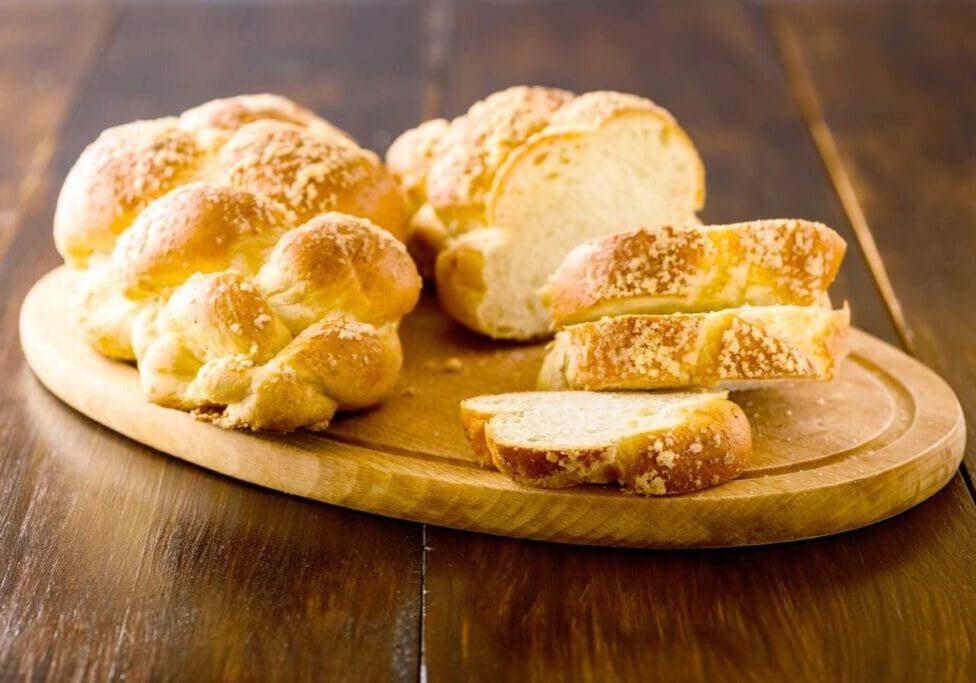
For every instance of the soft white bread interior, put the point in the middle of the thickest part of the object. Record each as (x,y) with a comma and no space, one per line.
(652,444)
(739,348)
(686,269)
(503,192)
(238,254)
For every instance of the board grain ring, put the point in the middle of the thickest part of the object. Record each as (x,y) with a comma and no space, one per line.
(885,435)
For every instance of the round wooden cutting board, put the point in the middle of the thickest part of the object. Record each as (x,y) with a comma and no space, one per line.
(882,437)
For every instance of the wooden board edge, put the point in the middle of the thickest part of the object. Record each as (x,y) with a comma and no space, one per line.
(454,496)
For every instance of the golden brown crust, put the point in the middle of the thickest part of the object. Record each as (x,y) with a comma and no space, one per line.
(672,269)
(713,447)
(722,349)
(261,143)
(410,156)
(460,275)
(409,159)
(117,176)
(354,363)
(214,259)
(473,422)
(223,314)
(339,262)
(554,469)
(591,109)
(309,174)
(427,237)
(709,443)
(214,122)
(196,228)
(476,145)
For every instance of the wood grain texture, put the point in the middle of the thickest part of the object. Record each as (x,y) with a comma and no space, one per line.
(899,145)
(832,609)
(815,468)
(118,563)
(894,600)
(44,52)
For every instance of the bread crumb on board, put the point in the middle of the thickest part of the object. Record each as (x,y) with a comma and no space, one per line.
(450,365)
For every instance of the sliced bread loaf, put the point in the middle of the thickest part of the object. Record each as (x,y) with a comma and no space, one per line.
(526,175)
(737,348)
(687,269)
(653,444)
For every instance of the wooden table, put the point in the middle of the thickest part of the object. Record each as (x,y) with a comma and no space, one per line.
(118,562)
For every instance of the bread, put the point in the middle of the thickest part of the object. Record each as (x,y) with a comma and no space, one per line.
(686,269)
(261,143)
(653,444)
(738,348)
(409,159)
(503,192)
(237,253)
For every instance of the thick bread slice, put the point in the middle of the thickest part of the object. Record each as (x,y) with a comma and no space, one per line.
(686,269)
(653,444)
(740,348)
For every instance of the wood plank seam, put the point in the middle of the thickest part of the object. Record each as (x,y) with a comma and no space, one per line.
(32,184)
(336,580)
(804,94)
(803,91)
(422,659)
(438,24)
(438,17)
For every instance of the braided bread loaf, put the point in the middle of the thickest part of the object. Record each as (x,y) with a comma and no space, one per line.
(502,193)
(236,253)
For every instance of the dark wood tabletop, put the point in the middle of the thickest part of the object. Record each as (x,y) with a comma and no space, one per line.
(118,562)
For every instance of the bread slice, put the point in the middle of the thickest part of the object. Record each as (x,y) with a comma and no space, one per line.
(687,269)
(653,444)
(739,348)
(526,175)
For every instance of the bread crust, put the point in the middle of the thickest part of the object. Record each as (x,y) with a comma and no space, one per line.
(710,444)
(309,174)
(722,349)
(117,176)
(264,144)
(238,254)
(410,156)
(409,159)
(214,122)
(476,145)
(314,331)
(684,269)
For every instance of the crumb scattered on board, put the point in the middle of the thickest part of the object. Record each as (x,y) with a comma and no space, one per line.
(451,364)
